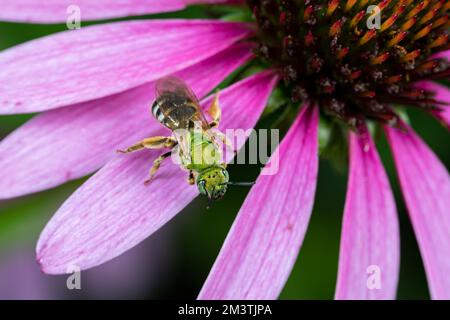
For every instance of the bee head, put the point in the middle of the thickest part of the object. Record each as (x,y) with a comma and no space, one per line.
(213,182)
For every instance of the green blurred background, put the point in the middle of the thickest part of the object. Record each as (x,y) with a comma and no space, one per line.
(174,262)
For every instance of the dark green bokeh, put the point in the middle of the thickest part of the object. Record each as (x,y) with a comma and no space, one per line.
(199,233)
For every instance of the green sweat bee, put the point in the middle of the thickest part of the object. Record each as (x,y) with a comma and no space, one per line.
(194,140)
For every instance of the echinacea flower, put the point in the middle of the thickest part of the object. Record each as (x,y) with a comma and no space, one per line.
(99,80)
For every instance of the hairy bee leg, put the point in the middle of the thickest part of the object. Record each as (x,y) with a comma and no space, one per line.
(157,142)
(191,178)
(215,112)
(156,165)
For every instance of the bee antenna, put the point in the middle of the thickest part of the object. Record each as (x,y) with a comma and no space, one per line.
(242,184)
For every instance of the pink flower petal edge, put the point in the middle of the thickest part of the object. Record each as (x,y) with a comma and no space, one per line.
(442,95)
(443,54)
(80,65)
(370,243)
(68,143)
(113,211)
(58,11)
(263,243)
(425,184)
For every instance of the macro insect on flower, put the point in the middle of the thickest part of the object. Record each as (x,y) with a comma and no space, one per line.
(320,61)
(193,140)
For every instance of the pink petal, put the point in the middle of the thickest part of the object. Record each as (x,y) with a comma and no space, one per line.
(56,11)
(68,143)
(443,54)
(370,243)
(442,95)
(97,61)
(425,184)
(263,243)
(113,211)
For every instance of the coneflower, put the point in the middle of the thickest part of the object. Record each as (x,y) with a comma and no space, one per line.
(328,55)
(325,57)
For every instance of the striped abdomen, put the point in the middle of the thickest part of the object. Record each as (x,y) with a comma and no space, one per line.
(157,112)
(174,113)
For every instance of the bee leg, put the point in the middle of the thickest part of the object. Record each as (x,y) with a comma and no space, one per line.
(156,165)
(191,178)
(224,139)
(157,142)
(215,112)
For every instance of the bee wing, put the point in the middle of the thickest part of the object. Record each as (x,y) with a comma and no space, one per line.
(183,139)
(171,84)
(178,92)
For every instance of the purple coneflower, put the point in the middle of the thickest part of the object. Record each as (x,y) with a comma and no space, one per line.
(94,87)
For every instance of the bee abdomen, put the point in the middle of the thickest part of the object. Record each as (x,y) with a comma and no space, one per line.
(157,113)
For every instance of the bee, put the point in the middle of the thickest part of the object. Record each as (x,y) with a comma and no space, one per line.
(194,140)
